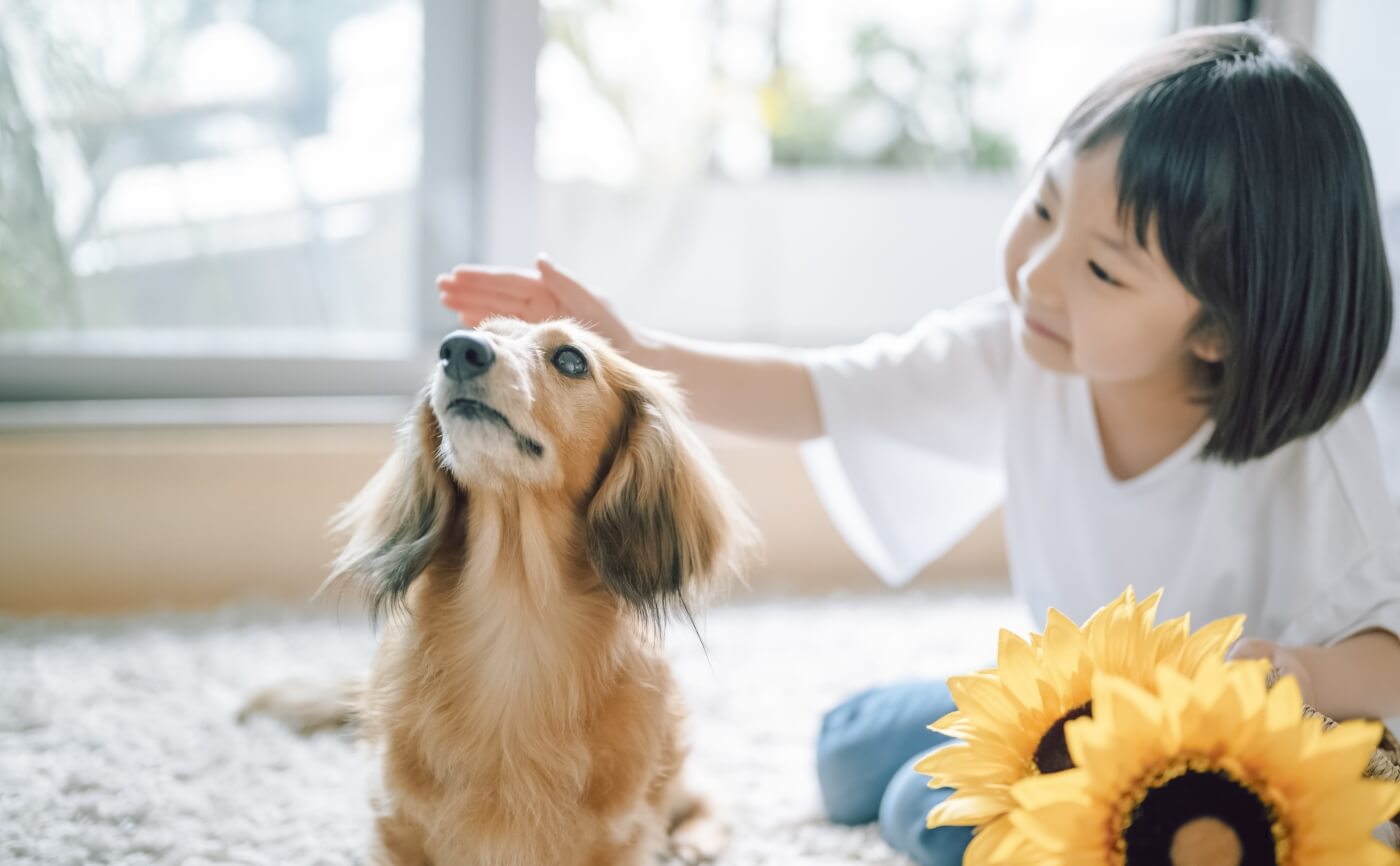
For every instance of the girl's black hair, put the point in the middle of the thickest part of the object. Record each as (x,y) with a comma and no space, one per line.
(1239,150)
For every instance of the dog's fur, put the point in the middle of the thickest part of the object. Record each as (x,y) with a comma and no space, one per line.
(520,701)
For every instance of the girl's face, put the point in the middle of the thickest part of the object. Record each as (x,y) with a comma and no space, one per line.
(1092,301)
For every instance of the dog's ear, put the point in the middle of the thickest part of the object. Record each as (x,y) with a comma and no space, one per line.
(401,518)
(664,524)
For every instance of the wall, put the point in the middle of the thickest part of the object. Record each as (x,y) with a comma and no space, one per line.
(106,520)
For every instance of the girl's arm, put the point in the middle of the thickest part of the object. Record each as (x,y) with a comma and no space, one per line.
(759,390)
(754,389)
(1357,678)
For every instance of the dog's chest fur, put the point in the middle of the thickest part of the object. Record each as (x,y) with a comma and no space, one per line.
(511,709)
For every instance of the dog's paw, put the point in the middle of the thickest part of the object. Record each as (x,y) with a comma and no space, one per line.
(303,705)
(699,840)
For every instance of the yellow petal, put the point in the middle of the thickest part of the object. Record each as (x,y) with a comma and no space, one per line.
(966,809)
(1147,609)
(1019,669)
(1355,808)
(1057,828)
(1001,843)
(950,720)
(959,765)
(1284,703)
(1040,792)
(984,698)
(1340,755)
(1211,641)
(1125,705)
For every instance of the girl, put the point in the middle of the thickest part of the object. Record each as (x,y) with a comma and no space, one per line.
(1165,394)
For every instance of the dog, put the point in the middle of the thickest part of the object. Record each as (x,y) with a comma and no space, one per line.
(546,510)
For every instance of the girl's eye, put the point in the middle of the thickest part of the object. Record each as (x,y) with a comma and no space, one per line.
(1041,212)
(1103,274)
(570,362)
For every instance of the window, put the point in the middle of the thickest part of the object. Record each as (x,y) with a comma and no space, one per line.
(225,167)
(250,197)
(1354,43)
(210,197)
(636,91)
(804,171)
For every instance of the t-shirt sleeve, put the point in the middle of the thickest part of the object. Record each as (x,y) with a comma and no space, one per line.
(914,452)
(1366,597)
(1362,592)
(1384,403)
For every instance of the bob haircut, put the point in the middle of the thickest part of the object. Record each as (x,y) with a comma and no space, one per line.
(1240,152)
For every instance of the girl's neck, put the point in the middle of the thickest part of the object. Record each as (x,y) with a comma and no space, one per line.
(1142,423)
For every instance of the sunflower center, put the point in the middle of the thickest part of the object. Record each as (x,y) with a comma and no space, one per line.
(1191,812)
(1052,753)
(1206,842)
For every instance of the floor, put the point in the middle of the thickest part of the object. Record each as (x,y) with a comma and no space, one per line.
(118,742)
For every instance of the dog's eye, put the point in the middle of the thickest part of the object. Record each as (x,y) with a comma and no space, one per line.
(570,362)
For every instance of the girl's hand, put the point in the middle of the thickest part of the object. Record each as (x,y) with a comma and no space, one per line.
(547,293)
(1287,661)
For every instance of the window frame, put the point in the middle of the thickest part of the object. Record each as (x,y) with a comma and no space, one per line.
(475,201)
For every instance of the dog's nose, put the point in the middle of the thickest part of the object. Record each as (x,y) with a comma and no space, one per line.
(466,355)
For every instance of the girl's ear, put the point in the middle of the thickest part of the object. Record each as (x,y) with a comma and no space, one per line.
(1209,350)
(664,522)
(1207,342)
(400,520)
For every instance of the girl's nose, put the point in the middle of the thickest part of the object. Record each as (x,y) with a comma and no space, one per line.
(1041,278)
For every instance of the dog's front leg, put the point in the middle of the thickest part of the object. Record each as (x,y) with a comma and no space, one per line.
(698,834)
(398,841)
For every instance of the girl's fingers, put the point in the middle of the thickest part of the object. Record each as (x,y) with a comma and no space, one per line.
(495,288)
(482,291)
(488,295)
(481,305)
(491,291)
(519,309)
(568,288)
(503,282)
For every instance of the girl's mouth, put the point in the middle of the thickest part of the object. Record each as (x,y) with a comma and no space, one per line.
(1040,330)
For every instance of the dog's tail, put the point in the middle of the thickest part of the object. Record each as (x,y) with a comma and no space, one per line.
(308,705)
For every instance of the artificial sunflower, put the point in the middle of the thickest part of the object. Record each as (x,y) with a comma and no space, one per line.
(1211,769)
(1011,719)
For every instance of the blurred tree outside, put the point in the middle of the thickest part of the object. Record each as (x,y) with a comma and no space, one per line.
(810,131)
(66,94)
(910,105)
(36,286)
(69,94)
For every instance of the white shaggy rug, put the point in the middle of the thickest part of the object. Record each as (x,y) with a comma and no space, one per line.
(118,742)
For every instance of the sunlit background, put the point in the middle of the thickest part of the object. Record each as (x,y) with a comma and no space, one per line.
(792,171)
(253,170)
(220,223)
(247,200)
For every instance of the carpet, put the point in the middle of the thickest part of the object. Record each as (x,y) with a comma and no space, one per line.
(118,739)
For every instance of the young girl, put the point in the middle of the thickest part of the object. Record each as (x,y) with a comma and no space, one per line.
(1164,394)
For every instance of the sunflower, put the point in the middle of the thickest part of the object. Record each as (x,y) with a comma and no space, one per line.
(1011,719)
(1215,768)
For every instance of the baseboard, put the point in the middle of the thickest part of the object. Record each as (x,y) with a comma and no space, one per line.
(190,517)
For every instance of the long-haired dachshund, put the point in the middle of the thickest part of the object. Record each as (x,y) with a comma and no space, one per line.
(547,507)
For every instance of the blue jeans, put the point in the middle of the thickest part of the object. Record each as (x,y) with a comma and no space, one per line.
(866,753)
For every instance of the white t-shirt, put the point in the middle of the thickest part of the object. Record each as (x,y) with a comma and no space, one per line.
(928,431)
(1383,402)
